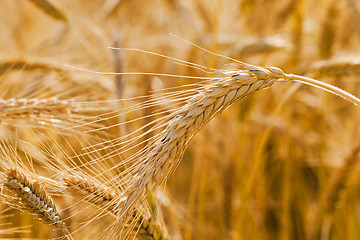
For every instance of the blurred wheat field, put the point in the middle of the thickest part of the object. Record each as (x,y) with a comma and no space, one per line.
(76,140)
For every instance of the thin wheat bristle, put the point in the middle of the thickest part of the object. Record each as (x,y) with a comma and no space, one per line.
(34,198)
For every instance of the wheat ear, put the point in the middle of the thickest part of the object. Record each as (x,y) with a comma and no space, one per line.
(30,64)
(336,67)
(105,198)
(164,154)
(34,198)
(15,107)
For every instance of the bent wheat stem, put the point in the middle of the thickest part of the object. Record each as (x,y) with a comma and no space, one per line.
(324,86)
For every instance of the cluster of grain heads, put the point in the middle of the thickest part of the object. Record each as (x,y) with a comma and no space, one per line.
(33,198)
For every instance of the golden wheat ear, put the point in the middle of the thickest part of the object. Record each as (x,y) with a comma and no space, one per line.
(162,156)
(146,226)
(33,198)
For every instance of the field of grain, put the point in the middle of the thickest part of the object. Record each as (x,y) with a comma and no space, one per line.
(179,119)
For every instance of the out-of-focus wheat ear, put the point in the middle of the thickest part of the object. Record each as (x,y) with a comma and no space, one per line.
(26,108)
(297,34)
(92,192)
(164,155)
(334,194)
(28,64)
(49,8)
(261,45)
(12,108)
(327,36)
(336,67)
(34,199)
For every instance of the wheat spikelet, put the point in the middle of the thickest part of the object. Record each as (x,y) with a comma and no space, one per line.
(146,226)
(34,198)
